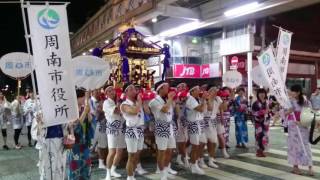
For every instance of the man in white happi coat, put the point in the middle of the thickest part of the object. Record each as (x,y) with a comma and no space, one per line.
(195,108)
(162,108)
(132,112)
(115,124)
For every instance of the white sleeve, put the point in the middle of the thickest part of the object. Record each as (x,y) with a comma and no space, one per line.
(155,106)
(109,107)
(191,103)
(219,100)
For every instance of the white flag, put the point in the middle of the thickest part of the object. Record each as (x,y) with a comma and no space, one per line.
(52,57)
(271,73)
(283,52)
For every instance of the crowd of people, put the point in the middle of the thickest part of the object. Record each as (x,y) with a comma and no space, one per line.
(186,122)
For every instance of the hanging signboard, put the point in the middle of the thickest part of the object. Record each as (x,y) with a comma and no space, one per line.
(283,52)
(90,72)
(17,65)
(232,79)
(52,57)
(271,72)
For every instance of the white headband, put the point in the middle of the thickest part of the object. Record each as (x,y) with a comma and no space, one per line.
(108,88)
(213,88)
(125,90)
(182,84)
(194,88)
(160,86)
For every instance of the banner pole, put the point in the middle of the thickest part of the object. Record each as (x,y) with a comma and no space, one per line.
(28,47)
(18,87)
(282,29)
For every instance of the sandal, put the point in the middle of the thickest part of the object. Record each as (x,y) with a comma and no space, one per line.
(296,171)
(311,173)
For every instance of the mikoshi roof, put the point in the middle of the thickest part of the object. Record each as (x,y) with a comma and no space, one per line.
(136,47)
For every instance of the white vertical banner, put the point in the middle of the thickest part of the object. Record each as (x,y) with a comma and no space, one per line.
(283,52)
(271,72)
(52,58)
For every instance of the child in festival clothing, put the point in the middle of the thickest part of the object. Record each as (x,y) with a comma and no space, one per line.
(241,105)
(262,120)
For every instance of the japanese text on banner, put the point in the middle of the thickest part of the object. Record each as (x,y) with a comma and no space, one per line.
(52,58)
(271,73)
(283,52)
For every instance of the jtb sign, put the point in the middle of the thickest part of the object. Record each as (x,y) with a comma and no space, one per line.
(196,71)
(52,58)
(187,71)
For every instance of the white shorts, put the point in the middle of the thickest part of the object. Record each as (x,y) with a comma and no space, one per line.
(196,139)
(116,141)
(165,143)
(102,139)
(134,145)
(211,134)
(3,126)
(220,128)
(182,135)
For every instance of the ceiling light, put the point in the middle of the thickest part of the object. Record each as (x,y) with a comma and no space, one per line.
(242,9)
(90,50)
(154,20)
(194,40)
(181,29)
(84,54)
(107,41)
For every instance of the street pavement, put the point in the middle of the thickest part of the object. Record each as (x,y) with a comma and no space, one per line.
(243,165)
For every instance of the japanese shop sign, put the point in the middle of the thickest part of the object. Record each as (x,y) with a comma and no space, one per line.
(232,79)
(196,71)
(52,58)
(283,52)
(272,75)
(90,72)
(187,71)
(16,64)
(205,71)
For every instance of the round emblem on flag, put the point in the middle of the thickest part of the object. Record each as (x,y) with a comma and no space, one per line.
(48,18)
(285,39)
(266,59)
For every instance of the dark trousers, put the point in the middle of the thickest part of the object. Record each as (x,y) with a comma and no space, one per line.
(16,136)
(29,133)
(4,132)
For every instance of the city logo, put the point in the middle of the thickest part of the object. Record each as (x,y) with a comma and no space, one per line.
(285,39)
(48,18)
(266,59)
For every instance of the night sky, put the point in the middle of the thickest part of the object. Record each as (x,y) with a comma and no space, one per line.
(12,32)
